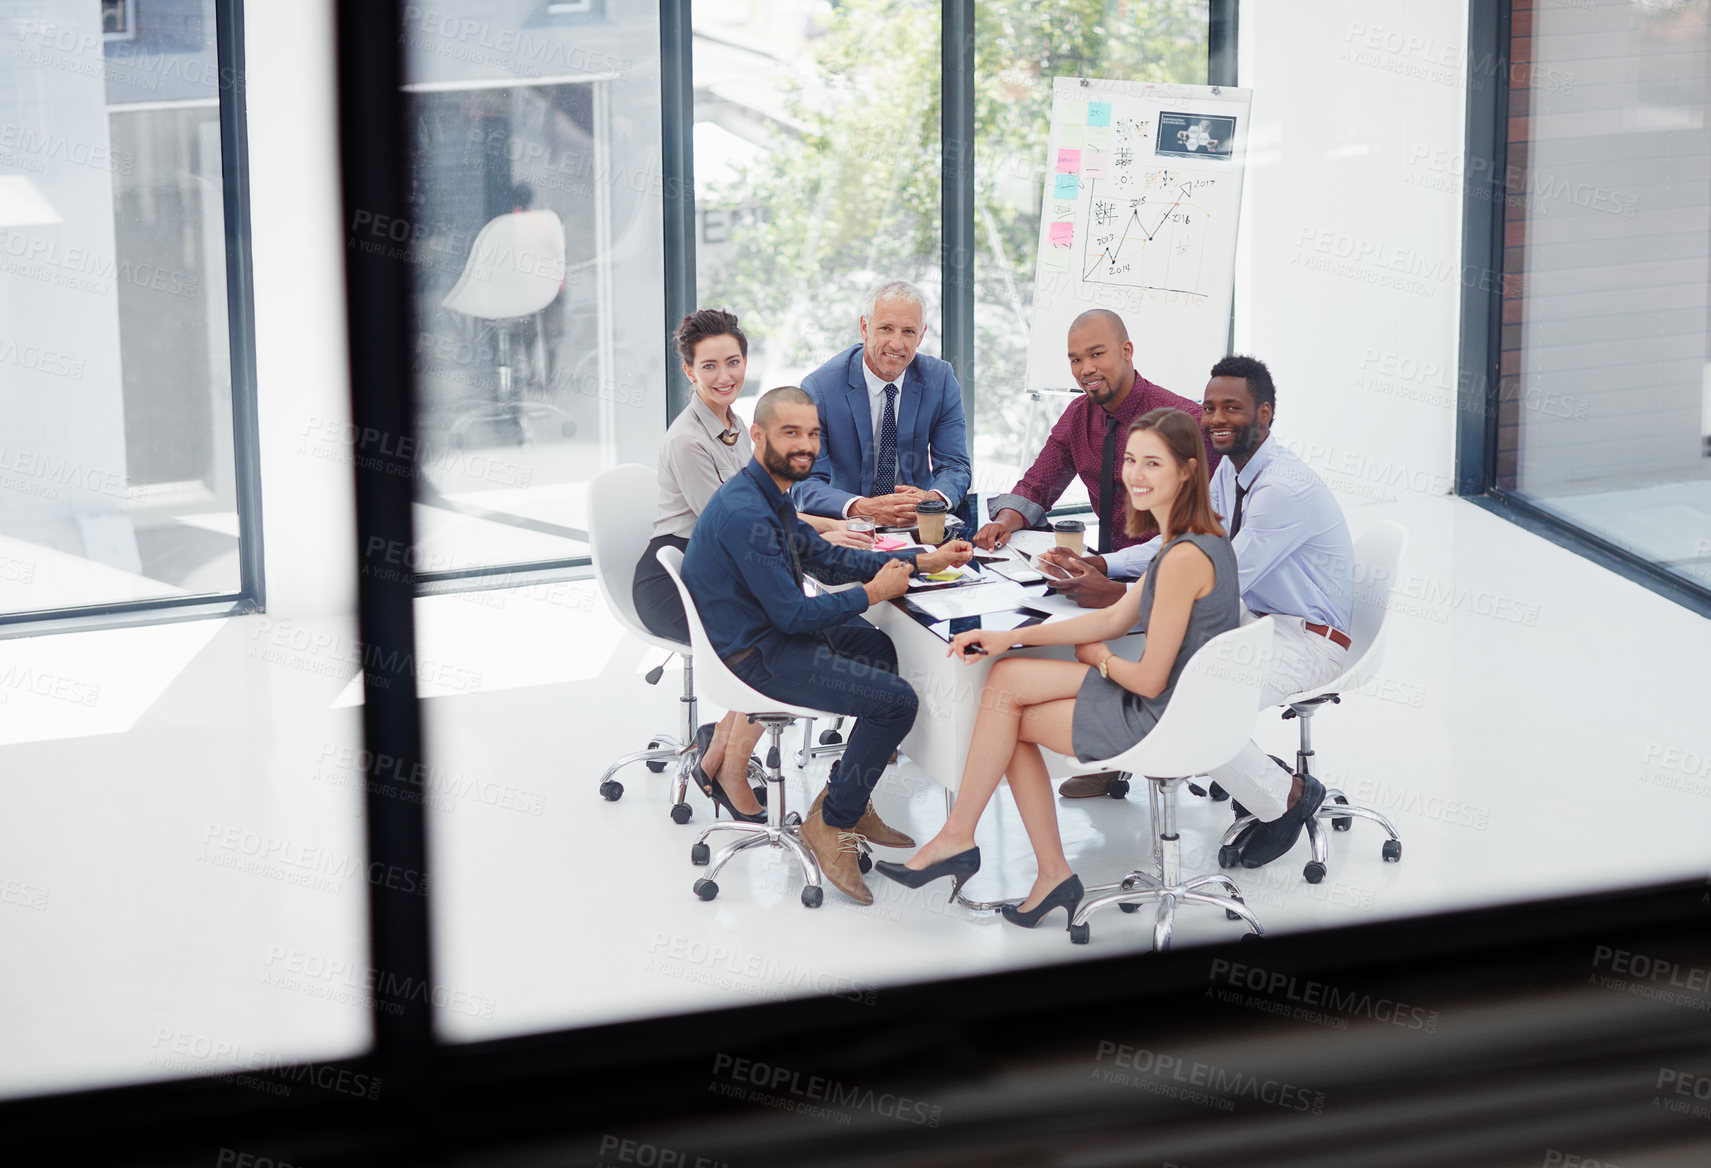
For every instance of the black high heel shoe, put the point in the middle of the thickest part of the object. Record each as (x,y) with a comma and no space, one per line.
(1066,896)
(710,786)
(959,867)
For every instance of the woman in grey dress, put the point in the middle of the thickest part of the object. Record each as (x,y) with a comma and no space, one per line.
(1106,703)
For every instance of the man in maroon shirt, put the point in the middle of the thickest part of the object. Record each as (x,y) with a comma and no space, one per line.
(1087,440)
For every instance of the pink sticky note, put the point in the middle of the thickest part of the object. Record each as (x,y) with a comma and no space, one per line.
(1069,162)
(889,543)
(1063,234)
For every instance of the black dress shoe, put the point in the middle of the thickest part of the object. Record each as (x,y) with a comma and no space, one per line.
(959,867)
(1267,841)
(710,786)
(1066,896)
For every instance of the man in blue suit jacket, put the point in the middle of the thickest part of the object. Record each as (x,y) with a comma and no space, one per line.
(878,388)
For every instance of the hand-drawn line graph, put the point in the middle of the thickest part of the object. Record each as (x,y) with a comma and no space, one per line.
(1152,243)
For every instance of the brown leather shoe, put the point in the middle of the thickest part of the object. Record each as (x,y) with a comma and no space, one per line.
(870,825)
(836,850)
(1088,786)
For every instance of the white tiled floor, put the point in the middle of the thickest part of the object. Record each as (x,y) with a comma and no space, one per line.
(1539,728)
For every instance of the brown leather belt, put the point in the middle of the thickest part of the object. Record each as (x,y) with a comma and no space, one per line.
(1335,636)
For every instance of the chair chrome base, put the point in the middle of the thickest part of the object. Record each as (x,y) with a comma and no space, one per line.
(1336,806)
(962,901)
(781,830)
(1165,888)
(665,750)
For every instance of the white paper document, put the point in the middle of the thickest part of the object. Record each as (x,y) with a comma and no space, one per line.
(975,600)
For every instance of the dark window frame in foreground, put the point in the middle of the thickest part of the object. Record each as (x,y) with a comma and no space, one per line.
(1484,202)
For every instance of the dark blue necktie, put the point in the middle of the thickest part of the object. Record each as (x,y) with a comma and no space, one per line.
(885,466)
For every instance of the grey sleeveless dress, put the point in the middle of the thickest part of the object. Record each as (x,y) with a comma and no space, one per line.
(1108,718)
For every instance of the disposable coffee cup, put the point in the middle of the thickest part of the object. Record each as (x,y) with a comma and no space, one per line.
(930,520)
(1069,534)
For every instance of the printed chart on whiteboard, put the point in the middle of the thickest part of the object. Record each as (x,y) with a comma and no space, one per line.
(1143,194)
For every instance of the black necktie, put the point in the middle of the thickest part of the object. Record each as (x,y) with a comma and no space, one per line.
(1108,486)
(885,466)
(1236,519)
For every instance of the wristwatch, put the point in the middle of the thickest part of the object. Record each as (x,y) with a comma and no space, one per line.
(1105,666)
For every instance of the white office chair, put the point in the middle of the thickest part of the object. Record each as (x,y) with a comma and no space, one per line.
(1209,718)
(514,270)
(620,523)
(730,691)
(1378,554)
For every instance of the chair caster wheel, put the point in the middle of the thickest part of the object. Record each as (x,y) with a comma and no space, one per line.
(657,766)
(1080,934)
(1392,850)
(864,863)
(1252,936)
(812,896)
(1216,793)
(706,889)
(793,819)
(831,738)
(1118,789)
(681,812)
(1314,871)
(1229,856)
(1130,908)
(611,790)
(1342,822)
(699,854)
(1195,789)
(1234,916)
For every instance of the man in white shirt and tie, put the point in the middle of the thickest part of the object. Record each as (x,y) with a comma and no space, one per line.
(1295,561)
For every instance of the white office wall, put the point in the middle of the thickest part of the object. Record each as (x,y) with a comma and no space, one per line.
(1349,271)
(302,371)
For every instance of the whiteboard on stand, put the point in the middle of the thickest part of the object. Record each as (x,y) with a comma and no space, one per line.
(1143,194)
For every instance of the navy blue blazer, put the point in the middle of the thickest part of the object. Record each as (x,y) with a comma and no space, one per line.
(932,435)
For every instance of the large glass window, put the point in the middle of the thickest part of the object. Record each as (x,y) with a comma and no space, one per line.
(117,478)
(534,236)
(817,170)
(1019,48)
(1604,403)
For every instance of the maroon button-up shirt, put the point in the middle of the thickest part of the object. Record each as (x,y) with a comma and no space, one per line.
(1075,449)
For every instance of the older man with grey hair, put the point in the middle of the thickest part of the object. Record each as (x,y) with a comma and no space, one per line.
(891,420)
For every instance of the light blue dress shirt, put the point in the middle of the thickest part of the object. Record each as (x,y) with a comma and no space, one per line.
(1293,553)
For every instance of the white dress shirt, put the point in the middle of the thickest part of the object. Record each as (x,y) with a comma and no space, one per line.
(876,403)
(1293,552)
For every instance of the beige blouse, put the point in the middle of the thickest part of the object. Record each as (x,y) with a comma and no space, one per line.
(693,463)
